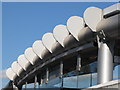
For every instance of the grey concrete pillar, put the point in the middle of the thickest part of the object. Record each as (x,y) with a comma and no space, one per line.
(105,62)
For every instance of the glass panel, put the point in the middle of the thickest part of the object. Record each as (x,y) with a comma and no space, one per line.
(116,72)
(52,83)
(94,79)
(70,82)
(85,78)
(30,85)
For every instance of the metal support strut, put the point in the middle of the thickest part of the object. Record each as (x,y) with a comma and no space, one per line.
(61,73)
(26,86)
(35,82)
(78,68)
(47,75)
(105,60)
(61,69)
(41,81)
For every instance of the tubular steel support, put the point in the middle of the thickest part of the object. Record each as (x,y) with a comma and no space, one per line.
(61,73)
(78,67)
(13,85)
(105,61)
(26,86)
(47,75)
(35,82)
(61,69)
(41,81)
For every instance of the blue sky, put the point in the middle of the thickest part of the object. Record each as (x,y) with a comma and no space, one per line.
(23,23)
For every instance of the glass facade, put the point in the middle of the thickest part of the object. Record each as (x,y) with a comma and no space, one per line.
(87,77)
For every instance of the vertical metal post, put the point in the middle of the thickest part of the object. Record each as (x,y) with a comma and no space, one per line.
(41,82)
(78,67)
(90,79)
(47,75)
(61,73)
(13,85)
(61,69)
(26,86)
(105,62)
(35,82)
(39,85)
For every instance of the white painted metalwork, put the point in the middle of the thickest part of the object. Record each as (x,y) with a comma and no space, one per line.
(10,74)
(105,62)
(16,68)
(40,49)
(92,17)
(75,24)
(50,43)
(103,24)
(31,56)
(112,9)
(110,26)
(24,63)
(85,35)
(69,40)
(60,32)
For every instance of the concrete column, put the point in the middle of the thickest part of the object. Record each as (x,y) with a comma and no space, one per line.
(105,62)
